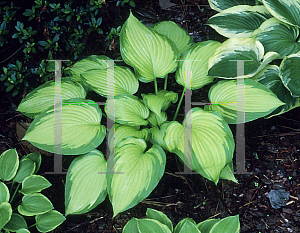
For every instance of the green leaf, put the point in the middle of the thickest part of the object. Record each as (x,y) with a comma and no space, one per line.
(142,170)
(229,224)
(78,117)
(159,216)
(34,204)
(186,225)
(220,5)
(112,82)
(150,53)
(5,213)
(158,134)
(258,101)
(85,183)
(287,11)
(49,221)
(15,223)
(192,72)
(178,35)
(127,109)
(4,193)
(43,97)
(9,163)
(206,225)
(278,37)
(227,173)
(145,226)
(22,230)
(156,120)
(26,168)
(36,158)
(237,21)
(204,142)
(34,184)
(289,73)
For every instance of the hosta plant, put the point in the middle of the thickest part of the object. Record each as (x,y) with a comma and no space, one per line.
(142,132)
(20,177)
(158,222)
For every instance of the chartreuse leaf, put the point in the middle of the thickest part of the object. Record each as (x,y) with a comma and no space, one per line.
(37,159)
(289,73)
(223,63)
(26,168)
(42,98)
(127,109)
(120,81)
(22,230)
(85,183)
(186,225)
(278,37)
(89,63)
(34,184)
(78,117)
(145,226)
(220,5)
(142,170)
(155,120)
(237,21)
(150,53)
(259,101)
(193,67)
(206,225)
(205,142)
(9,163)
(287,11)
(34,204)
(159,216)
(49,221)
(15,223)
(178,35)
(269,77)
(230,224)
(4,193)
(158,134)
(227,173)
(5,213)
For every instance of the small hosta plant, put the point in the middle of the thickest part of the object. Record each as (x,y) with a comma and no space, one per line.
(142,129)
(19,177)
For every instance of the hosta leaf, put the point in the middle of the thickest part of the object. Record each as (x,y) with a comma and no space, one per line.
(158,134)
(34,184)
(37,159)
(186,225)
(206,225)
(127,109)
(227,173)
(9,163)
(15,223)
(150,53)
(49,221)
(5,213)
(22,230)
(42,98)
(229,224)
(175,33)
(156,120)
(287,11)
(4,193)
(145,226)
(78,117)
(85,183)
(26,168)
(289,73)
(192,72)
(33,204)
(205,142)
(278,37)
(269,77)
(159,216)
(120,81)
(236,21)
(142,170)
(220,5)
(259,101)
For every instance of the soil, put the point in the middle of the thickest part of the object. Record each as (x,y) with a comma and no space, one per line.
(272,159)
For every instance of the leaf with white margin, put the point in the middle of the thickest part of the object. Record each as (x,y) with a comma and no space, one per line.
(22,230)
(5,213)
(34,184)
(220,5)
(85,183)
(127,109)
(15,223)
(120,81)
(150,53)
(145,226)
(26,168)
(42,98)
(159,216)
(142,170)
(278,37)
(259,101)
(178,35)
(223,63)
(287,11)
(160,101)
(236,21)
(49,221)
(80,123)
(289,71)
(34,204)
(192,72)
(186,225)
(269,77)
(261,9)
(9,163)
(205,142)
(4,193)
